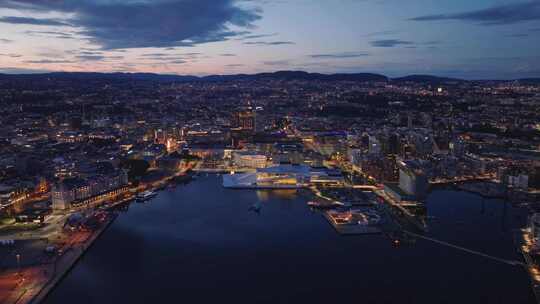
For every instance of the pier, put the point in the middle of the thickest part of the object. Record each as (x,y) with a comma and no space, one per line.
(478,253)
(411,218)
(351,229)
(36,281)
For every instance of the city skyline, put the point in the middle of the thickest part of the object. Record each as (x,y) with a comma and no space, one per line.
(347,183)
(481,40)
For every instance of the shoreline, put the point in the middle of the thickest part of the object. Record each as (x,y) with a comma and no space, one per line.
(35,294)
(66,266)
(66,263)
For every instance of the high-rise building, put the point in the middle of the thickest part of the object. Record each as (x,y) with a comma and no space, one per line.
(390,143)
(375,146)
(160,136)
(244,120)
(412,179)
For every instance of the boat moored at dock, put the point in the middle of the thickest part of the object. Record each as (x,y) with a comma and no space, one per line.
(146,195)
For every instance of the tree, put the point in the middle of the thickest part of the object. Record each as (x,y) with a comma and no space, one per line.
(137,168)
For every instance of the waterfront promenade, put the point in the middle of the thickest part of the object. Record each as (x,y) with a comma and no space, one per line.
(31,284)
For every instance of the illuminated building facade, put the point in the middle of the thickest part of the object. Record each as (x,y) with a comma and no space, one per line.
(244,120)
(75,190)
(412,179)
(284,176)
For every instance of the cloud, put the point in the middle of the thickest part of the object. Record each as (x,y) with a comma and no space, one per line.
(90,53)
(390,43)
(191,54)
(228,55)
(14,70)
(48,61)
(156,55)
(499,59)
(53,34)
(268,42)
(519,35)
(174,58)
(497,15)
(235,65)
(90,57)
(380,33)
(179,61)
(169,54)
(32,21)
(5,40)
(11,55)
(339,55)
(256,36)
(122,24)
(276,62)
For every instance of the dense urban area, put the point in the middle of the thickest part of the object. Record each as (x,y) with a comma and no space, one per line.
(364,149)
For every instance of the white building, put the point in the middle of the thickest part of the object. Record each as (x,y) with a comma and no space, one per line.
(73,190)
(245,159)
(412,179)
(283,176)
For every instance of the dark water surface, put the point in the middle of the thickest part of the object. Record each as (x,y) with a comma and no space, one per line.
(199,244)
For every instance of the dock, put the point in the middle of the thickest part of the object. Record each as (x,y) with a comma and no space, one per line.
(351,229)
(45,277)
(66,263)
(400,208)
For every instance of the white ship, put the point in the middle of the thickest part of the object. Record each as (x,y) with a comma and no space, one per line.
(146,195)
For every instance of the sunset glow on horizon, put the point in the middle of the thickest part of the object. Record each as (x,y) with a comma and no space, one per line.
(484,39)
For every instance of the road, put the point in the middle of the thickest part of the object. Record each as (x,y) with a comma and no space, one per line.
(50,230)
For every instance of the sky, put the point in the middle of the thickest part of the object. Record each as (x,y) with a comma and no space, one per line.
(472,39)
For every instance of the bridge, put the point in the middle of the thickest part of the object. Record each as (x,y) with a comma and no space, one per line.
(478,253)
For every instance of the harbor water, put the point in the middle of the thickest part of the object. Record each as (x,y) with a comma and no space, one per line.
(200,243)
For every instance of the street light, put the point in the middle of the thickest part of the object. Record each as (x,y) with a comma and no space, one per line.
(18,256)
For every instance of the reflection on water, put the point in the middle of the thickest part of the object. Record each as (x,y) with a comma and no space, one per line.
(200,244)
(266,195)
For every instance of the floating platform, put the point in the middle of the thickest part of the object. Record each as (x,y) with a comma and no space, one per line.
(351,229)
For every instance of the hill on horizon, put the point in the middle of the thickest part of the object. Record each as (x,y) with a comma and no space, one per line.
(278,75)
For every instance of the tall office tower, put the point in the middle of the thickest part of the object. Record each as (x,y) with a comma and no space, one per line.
(244,120)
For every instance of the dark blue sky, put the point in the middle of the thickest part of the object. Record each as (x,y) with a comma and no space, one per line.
(459,38)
